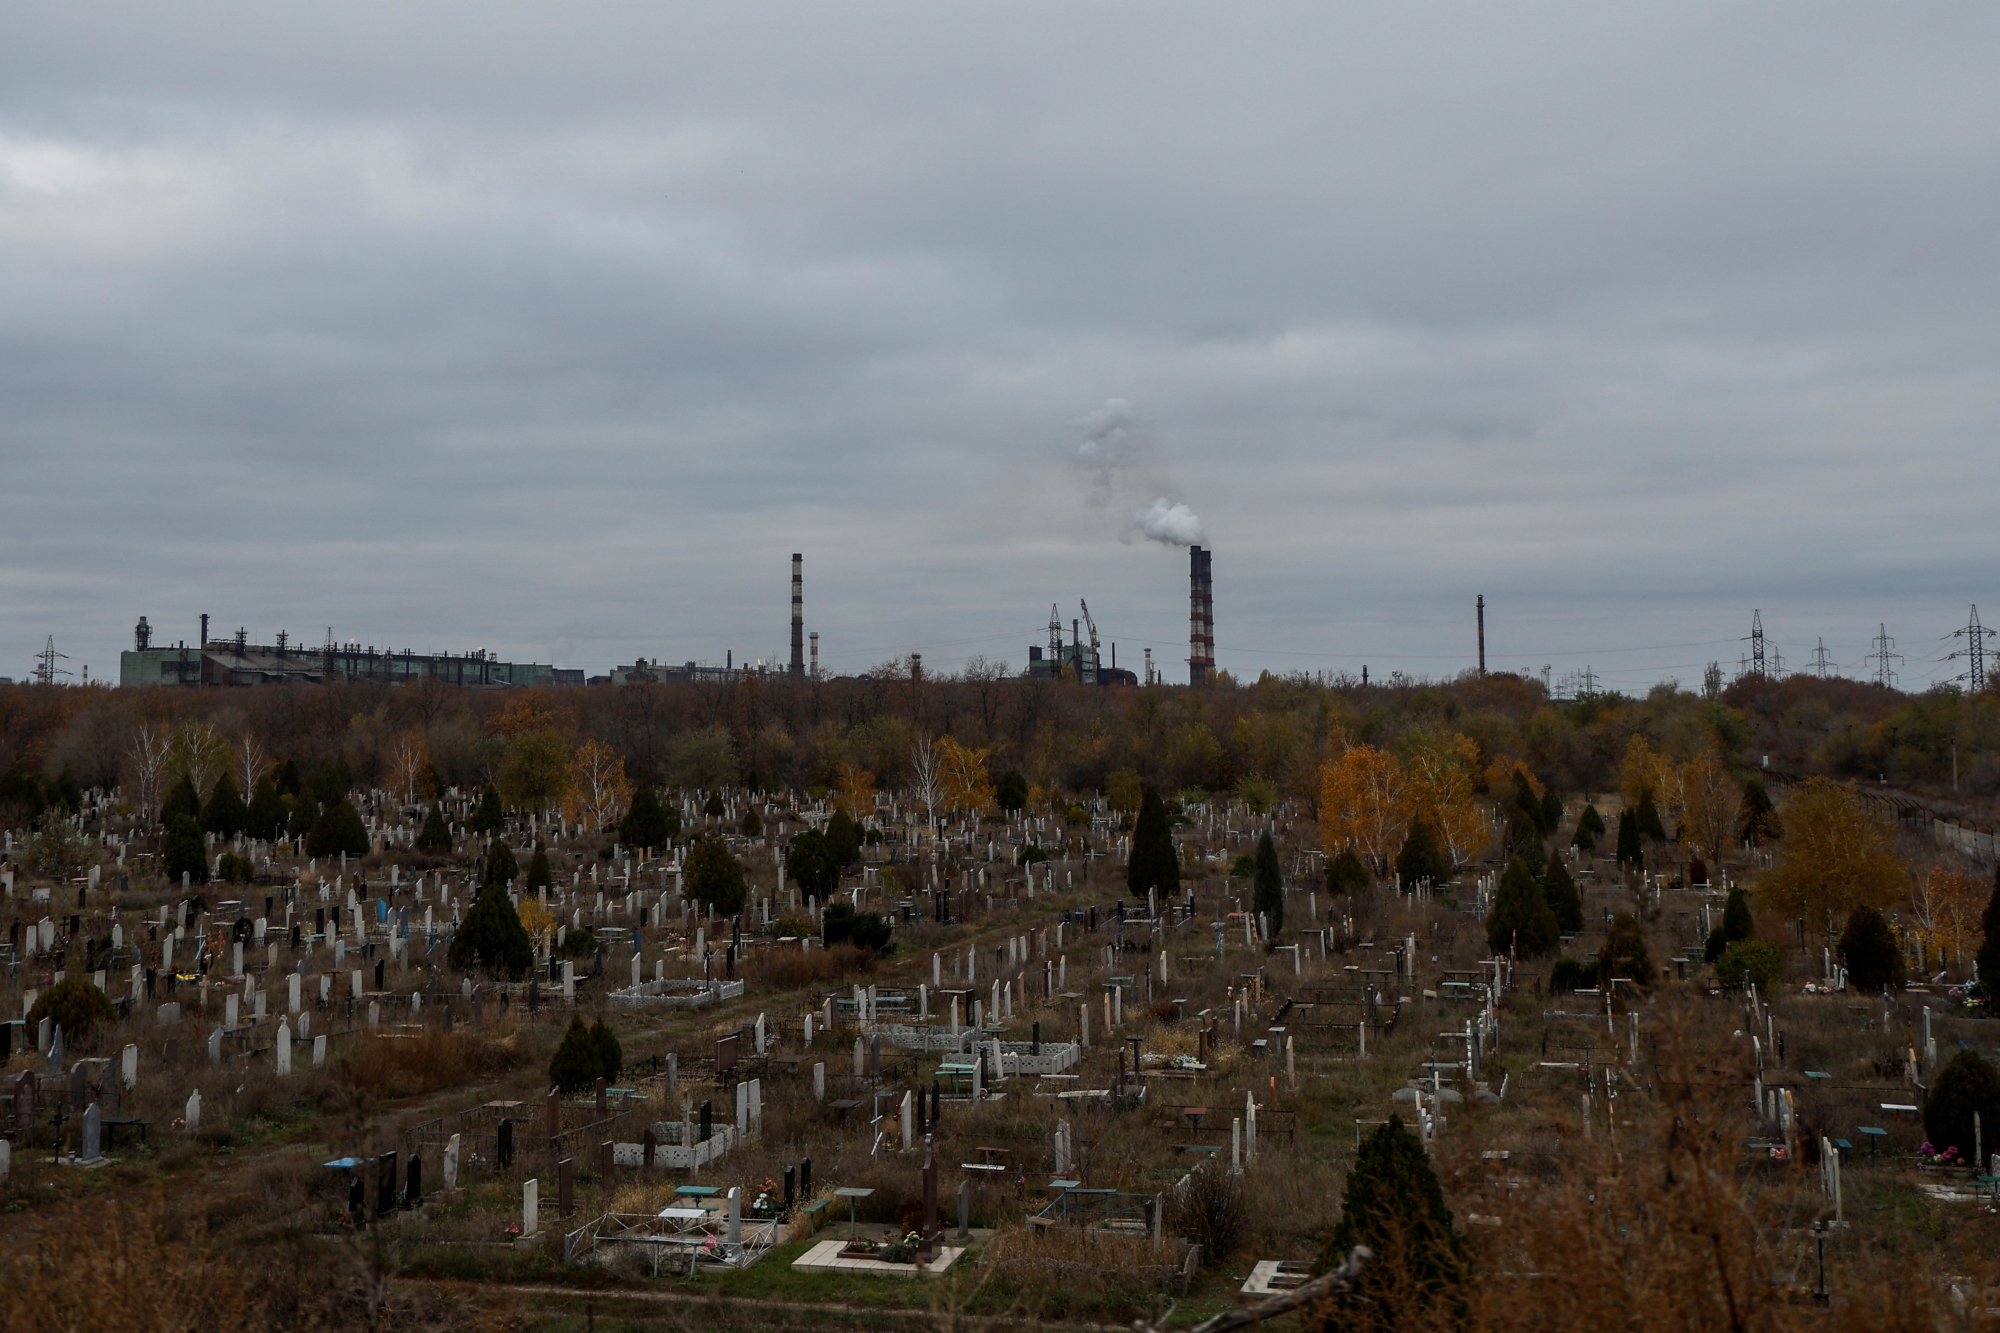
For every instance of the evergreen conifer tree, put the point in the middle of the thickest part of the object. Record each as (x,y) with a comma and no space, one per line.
(1869,951)
(1648,818)
(1988,958)
(1267,893)
(715,879)
(491,938)
(1552,812)
(184,852)
(1624,952)
(1529,804)
(813,863)
(1736,924)
(487,818)
(1564,899)
(225,814)
(183,802)
(1524,835)
(338,829)
(499,867)
(610,1055)
(1422,858)
(578,1062)
(1760,818)
(1967,1086)
(753,823)
(647,823)
(435,835)
(1011,792)
(1630,853)
(267,814)
(1346,874)
(1591,820)
(843,835)
(1520,918)
(539,874)
(288,779)
(1154,864)
(1394,1205)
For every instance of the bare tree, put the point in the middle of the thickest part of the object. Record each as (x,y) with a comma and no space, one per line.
(252,763)
(146,764)
(406,766)
(926,779)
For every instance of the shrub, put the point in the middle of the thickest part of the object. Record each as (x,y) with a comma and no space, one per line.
(1624,953)
(539,874)
(813,863)
(1345,873)
(235,869)
(610,1055)
(841,924)
(714,878)
(1870,953)
(1754,961)
(753,823)
(487,817)
(578,942)
(1210,1210)
(77,1007)
(1572,974)
(1968,1085)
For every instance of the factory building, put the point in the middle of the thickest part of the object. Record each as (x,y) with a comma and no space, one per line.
(236,661)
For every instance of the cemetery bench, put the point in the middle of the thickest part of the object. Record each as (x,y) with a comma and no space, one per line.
(1843,1147)
(815,1214)
(1873,1135)
(111,1128)
(1898,1110)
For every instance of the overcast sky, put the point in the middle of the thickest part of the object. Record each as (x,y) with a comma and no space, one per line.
(556,329)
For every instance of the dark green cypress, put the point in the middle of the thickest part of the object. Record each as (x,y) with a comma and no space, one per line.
(1989,946)
(492,938)
(1346,874)
(184,851)
(1869,952)
(1630,852)
(1394,1205)
(1561,891)
(183,802)
(1154,863)
(225,814)
(1267,894)
(1422,857)
(1520,918)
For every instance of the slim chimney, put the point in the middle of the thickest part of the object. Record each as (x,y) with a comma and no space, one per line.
(1201,618)
(1482,633)
(815,654)
(142,634)
(798,616)
(204,631)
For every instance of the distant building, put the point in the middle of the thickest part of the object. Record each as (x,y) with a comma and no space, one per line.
(237,662)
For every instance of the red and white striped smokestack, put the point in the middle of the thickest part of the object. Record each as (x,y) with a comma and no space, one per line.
(798,616)
(1201,618)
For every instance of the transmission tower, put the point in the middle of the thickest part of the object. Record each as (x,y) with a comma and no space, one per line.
(1756,643)
(1822,663)
(46,669)
(1885,653)
(1975,636)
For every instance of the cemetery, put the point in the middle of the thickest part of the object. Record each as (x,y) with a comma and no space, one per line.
(1045,1091)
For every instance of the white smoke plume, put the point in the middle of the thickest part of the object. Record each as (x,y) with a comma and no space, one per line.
(1112,442)
(1168,522)
(1116,455)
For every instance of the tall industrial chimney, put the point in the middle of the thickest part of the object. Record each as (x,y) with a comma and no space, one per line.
(204,631)
(815,654)
(1482,633)
(798,616)
(142,634)
(1201,618)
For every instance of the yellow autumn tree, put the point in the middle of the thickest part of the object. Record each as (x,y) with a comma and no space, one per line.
(1711,802)
(854,792)
(1439,768)
(1364,802)
(964,777)
(1837,854)
(537,920)
(1945,911)
(599,792)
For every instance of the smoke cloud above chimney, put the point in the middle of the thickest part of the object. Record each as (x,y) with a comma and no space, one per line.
(1116,456)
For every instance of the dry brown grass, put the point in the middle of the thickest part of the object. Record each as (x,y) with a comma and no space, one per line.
(798,969)
(392,1065)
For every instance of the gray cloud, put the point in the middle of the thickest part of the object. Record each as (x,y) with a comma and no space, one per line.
(557,329)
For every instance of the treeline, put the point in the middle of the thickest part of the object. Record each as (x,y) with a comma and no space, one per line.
(1270,739)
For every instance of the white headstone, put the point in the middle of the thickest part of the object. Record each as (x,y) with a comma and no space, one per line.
(193,1115)
(319,1051)
(128,1070)
(284,1049)
(451,1163)
(531,1206)
(215,1047)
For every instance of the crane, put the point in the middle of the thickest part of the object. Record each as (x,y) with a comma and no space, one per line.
(1080,668)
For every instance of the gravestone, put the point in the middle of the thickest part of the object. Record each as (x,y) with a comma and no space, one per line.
(24,1100)
(284,1056)
(450,1170)
(93,1136)
(56,1050)
(531,1205)
(357,1199)
(385,1184)
(215,1047)
(650,1146)
(707,1119)
(192,1116)
(805,1177)
(129,1067)
(319,1051)
(503,1144)
(565,1187)
(606,1165)
(413,1186)
(6,1158)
